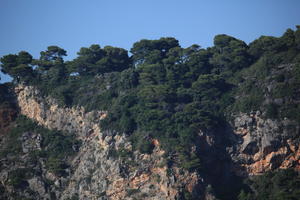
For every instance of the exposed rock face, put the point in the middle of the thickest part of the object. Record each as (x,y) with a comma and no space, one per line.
(31,142)
(99,171)
(107,167)
(38,185)
(47,113)
(265,144)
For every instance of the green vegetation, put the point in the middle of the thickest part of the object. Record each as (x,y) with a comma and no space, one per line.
(167,92)
(55,145)
(17,178)
(14,145)
(132,191)
(279,185)
(5,94)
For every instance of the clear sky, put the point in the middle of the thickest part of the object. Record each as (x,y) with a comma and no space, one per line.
(32,25)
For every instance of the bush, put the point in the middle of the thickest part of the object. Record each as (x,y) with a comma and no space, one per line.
(56,146)
(278,185)
(18,177)
(272,111)
(56,166)
(132,191)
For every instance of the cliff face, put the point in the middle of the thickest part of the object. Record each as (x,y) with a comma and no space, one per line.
(265,144)
(105,166)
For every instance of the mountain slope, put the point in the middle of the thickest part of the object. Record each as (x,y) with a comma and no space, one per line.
(166,123)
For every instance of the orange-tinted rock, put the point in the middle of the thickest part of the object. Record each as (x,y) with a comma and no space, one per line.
(271,150)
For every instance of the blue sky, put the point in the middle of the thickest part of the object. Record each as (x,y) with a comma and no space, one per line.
(32,25)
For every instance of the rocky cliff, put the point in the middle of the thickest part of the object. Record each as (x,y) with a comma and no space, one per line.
(265,144)
(165,122)
(105,166)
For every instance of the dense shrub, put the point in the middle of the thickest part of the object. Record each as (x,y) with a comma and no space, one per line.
(278,185)
(17,178)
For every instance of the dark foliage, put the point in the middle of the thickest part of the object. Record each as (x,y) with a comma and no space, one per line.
(56,146)
(168,92)
(279,185)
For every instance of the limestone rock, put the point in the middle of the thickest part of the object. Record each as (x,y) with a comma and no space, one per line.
(37,185)
(96,172)
(265,144)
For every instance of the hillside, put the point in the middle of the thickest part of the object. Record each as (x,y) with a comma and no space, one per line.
(165,122)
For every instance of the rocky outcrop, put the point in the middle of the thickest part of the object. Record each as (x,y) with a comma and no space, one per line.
(47,113)
(31,142)
(106,167)
(264,144)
